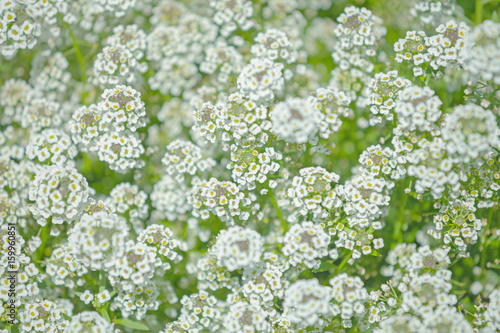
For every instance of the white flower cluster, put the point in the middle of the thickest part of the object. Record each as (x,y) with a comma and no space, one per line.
(199,312)
(266,282)
(412,48)
(240,119)
(130,202)
(109,128)
(184,157)
(425,301)
(175,52)
(59,194)
(63,268)
(384,92)
(231,14)
(161,238)
(457,224)
(170,199)
(138,301)
(248,166)
(383,161)
(301,120)
(491,315)
(357,27)
(98,240)
(333,103)
(223,58)
(88,321)
(21,25)
(122,108)
(42,316)
(221,198)
(275,45)
(122,151)
(470,132)
(243,316)
(307,303)
(313,191)
(261,80)
(431,11)
(359,33)
(51,145)
(481,53)
(406,260)
(295,120)
(135,268)
(50,73)
(354,83)
(446,45)
(350,295)
(418,108)
(237,248)
(119,61)
(15,93)
(41,112)
(306,243)
(365,196)
(432,169)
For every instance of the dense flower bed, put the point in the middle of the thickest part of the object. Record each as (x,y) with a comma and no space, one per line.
(249,166)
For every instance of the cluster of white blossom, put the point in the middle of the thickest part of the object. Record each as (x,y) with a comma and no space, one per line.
(51,145)
(225,166)
(313,191)
(59,194)
(384,91)
(98,240)
(183,157)
(306,243)
(248,166)
(110,128)
(480,54)
(220,198)
(119,61)
(359,33)
(129,201)
(237,247)
(307,303)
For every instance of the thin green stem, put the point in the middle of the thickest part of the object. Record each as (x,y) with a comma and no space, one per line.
(343,263)
(484,252)
(479,11)
(398,227)
(284,223)
(44,232)
(79,57)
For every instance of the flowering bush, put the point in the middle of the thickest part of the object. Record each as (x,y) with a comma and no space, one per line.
(250,166)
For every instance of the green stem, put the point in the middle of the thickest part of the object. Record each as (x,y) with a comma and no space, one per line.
(479,11)
(90,279)
(44,236)
(398,227)
(79,57)
(343,263)
(484,252)
(284,223)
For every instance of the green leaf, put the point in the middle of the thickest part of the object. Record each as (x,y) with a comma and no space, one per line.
(495,17)
(325,266)
(375,253)
(132,324)
(66,316)
(105,314)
